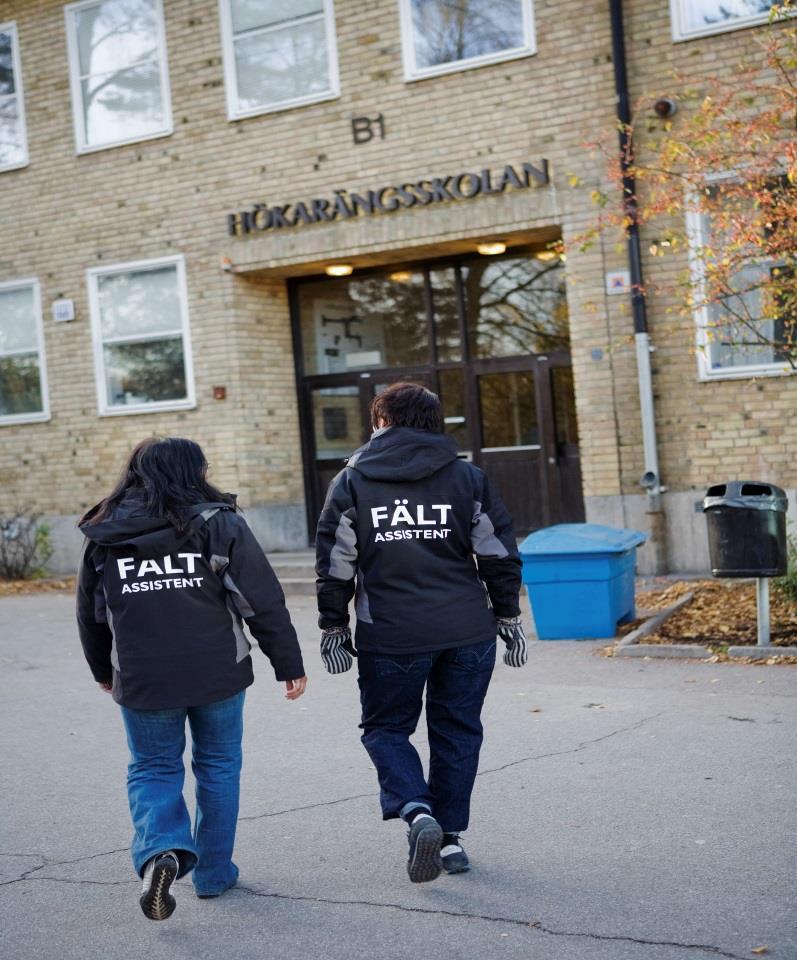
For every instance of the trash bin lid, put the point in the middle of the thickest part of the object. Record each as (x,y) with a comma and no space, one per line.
(579,538)
(747,495)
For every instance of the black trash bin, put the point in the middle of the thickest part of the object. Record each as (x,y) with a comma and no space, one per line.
(746,529)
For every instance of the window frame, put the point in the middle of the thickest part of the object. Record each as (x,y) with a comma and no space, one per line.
(412,72)
(231,75)
(696,240)
(680,34)
(44,414)
(18,94)
(104,409)
(81,144)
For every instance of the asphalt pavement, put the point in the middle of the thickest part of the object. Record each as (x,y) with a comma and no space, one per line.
(624,810)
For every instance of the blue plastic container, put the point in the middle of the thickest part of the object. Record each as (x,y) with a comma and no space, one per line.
(580,579)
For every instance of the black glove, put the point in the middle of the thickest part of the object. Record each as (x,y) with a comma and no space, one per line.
(510,630)
(337,649)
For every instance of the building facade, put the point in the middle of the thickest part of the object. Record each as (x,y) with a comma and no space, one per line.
(238,220)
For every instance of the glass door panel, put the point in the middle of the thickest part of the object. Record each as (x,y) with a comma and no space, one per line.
(445,310)
(511,454)
(508,411)
(337,423)
(455,409)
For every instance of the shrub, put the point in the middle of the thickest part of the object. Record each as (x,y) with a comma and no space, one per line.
(24,545)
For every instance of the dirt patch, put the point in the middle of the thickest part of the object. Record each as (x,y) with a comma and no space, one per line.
(13,588)
(722,613)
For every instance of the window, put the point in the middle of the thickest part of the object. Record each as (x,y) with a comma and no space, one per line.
(441,36)
(142,347)
(118,72)
(741,329)
(278,54)
(697,18)
(13,141)
(23,375)
(362,322)
(515,306)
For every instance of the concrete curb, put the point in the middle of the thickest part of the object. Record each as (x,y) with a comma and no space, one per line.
(694,651)
(630,647)
(762,653)
(651,625)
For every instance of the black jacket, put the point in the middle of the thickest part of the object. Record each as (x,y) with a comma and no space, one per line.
(400,527)
(160,614)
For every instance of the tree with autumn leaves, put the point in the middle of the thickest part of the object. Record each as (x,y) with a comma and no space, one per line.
(718,179)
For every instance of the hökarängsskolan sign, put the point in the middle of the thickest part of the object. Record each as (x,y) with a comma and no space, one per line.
(345,205)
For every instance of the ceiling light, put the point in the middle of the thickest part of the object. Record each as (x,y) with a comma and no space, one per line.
(491,249)
(338,269)
(545,255)
(401,276)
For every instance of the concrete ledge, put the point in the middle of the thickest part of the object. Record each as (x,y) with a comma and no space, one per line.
(695,651)
(655,621)
(762,653)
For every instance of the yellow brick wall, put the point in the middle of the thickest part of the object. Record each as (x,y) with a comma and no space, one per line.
(65,213)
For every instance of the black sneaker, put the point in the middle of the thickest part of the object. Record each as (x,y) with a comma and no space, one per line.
(425,838)
(156,901)
(454,858)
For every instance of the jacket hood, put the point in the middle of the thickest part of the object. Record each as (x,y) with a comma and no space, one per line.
(145,536)
(401,453)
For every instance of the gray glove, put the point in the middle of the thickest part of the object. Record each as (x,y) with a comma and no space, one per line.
(337,649)
(510,630)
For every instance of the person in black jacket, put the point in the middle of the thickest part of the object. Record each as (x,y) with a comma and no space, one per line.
(170,572)
(399,531)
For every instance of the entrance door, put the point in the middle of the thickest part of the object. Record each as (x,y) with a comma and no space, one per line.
(526,437)
(489,335)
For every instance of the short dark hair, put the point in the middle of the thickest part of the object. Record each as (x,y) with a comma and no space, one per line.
(408,405)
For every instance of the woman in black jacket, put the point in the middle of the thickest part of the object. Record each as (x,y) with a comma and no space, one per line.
(170,571)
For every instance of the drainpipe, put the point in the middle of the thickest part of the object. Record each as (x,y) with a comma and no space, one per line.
(650,480)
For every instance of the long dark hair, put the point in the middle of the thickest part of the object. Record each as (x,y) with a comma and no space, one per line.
(170,474)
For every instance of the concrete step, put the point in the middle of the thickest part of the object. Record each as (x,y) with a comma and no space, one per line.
(296,572)
(292,571)
(297,587)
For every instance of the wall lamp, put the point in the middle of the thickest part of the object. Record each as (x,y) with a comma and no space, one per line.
(338,270)
(491,249)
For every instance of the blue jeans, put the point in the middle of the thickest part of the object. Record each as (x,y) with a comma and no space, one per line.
(155,779)
(391,695)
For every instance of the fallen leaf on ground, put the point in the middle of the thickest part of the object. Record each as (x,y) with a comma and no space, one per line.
(721,612)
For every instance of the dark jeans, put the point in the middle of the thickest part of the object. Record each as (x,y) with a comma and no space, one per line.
(391,695)
(155,788)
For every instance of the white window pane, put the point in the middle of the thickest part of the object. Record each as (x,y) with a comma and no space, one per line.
(139,303)
(449,30)
(250,14)
(701,14)
(7,84)
(17,320)
(737,325)
(20,385)
(148,372)
(123,106)
(282,65)
(116,34)
(12,144)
